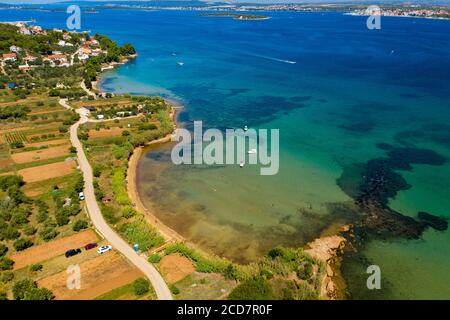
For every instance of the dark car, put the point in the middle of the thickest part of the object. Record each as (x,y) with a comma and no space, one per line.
(90,246)
(72,252)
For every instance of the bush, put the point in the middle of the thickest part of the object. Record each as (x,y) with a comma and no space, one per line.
(29,230)
(97,171)
(253,289)
(27,289)
(154,258)
(128,212)
(6,263)
(118,186)
(36,267)
(79,225)
(3,249)
(48,233)
(174,289)
(142,233)
(22,244)
(141,286)
(6,276)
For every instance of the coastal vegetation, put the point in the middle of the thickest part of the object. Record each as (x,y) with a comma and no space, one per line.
(235,15)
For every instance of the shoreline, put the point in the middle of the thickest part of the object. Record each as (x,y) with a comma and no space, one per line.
(326,248)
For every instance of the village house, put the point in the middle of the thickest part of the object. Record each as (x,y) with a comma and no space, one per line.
(61,58)
(92,42)
(25,31)
(29,58)
(24,68)
(9,57)
(63,43)
(67,36)
(15,49)
(96,52)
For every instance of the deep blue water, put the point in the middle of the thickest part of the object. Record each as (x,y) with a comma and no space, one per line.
(349,89)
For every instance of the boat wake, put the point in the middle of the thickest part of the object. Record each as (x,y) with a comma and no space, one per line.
(274,59)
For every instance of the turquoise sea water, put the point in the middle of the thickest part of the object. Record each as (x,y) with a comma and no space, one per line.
(350,89)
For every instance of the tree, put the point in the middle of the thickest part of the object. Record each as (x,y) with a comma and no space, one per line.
(27,289)
(97,171)
(154,258)
(141,286)
(79,225)
(3,249)
(257,288)
(22,244)
(36,267)
(6,263)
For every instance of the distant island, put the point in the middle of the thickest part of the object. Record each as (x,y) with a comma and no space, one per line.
(235,16)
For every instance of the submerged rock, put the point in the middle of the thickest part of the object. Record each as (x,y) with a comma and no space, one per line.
(433,221)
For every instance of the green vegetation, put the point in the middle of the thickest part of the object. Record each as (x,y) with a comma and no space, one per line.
(284,273)
(36,267)
(140,232)
(141,286)
(154,258)
(27,289)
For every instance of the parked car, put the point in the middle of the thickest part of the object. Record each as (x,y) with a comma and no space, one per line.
(81,196)
(90,246)
(72,252)
(104,249)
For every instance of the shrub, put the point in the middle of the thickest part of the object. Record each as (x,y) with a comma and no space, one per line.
(27,289)
(11,233)
(73,150)
(79,225)
(48,233)
(253,289)
(174,289)
(97,171)
(141,286)
(142,233)
(6,276)
(29,230)
(3,249)
(118,186)
(36,267)
(154,258)
(22,244)
(6,263)
(128,212)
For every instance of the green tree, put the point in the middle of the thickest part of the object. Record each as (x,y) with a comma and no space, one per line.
(3,249)
(141,286)
(253,289)
(6,263)
(27,289)
(79,225)
(22,244)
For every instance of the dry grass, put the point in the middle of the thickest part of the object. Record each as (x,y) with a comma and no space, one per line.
(175,267)
(43,154)
(47,171)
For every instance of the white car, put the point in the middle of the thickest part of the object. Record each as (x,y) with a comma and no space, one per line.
(81,196)
(104,249)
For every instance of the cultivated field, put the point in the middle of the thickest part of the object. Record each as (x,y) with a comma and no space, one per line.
(48,171)
(52,249)
(98,276)
(175,267)
(43,154)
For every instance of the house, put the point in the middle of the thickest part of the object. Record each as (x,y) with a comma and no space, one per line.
(57,30)
(83,56)
(124,113)
(100,117)
(85,50)
(9,57)
(67,36)
(15,49)
(62,43)
(92,42)
(61,58)
(25,31)
(24,68)
(96,52)
(29,58)
(36,30)
(56,52)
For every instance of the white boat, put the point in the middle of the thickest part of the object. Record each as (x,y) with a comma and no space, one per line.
(180,63)
(241,164)
(251,151)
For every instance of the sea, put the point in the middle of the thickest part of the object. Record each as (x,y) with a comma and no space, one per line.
(340,95)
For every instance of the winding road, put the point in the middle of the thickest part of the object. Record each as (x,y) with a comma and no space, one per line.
(158,283)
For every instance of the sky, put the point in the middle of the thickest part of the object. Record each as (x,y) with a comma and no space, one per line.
(253,1)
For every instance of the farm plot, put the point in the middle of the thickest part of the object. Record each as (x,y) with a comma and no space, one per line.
(98,276)
(47,171)
(30,156)
(52,249)
(15,137)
